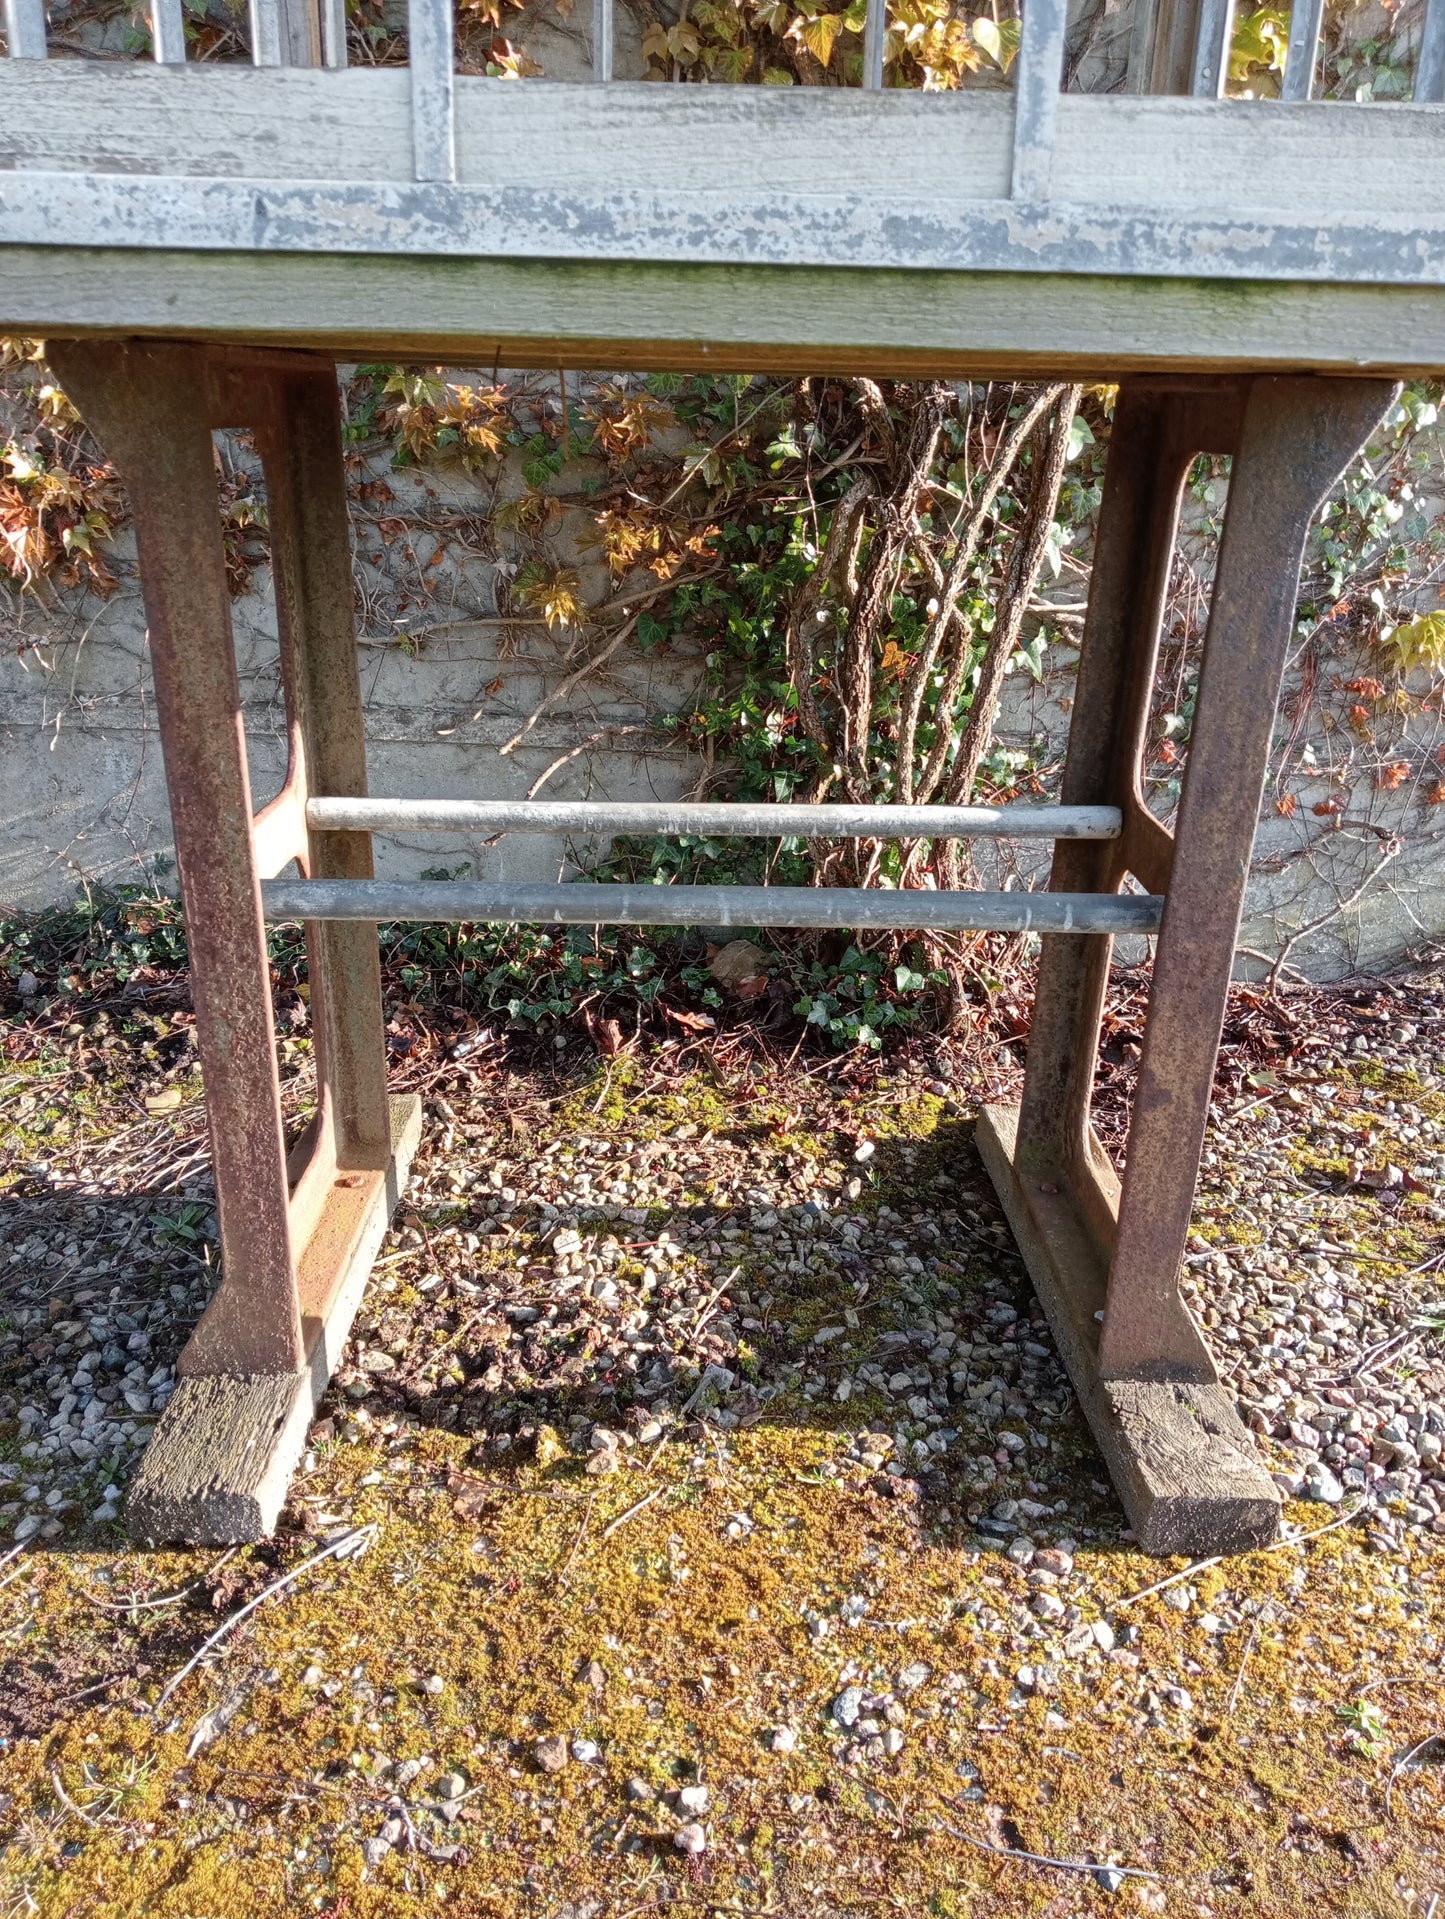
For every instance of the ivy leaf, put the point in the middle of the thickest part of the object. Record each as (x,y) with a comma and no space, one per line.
(820,33)
(1080,436)
(1420,643)
(1000,43)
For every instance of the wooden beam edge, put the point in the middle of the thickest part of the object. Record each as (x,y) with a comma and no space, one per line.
(1182,1461)
(221,1458)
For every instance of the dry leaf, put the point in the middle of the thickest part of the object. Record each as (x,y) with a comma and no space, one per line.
(209,1727)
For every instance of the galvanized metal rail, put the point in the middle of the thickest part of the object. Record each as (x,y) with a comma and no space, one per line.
(739,819)
(844,907)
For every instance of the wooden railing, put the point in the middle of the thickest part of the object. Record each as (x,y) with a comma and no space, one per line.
(422,160)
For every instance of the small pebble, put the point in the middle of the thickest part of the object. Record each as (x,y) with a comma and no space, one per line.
(847,1706)
(691,1839)
(551,1752)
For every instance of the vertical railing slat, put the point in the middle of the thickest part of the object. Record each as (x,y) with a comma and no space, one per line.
(875,28)
(25,29)
(1211,49)
(1139,76)
(1430,65)
(602,40)
(433,94)
(333,33)
(168,33)
(1304,41)
(1038,76)
(266,33)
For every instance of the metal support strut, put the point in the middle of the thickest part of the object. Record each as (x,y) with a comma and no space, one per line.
(1105,1260)
(299,1231)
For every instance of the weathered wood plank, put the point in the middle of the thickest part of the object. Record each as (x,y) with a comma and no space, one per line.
(549,313)
(25,29)
(1430,61)
(168,32)
(712,227)
(1304,41)
(220,1460)
(295,161)
(283,121)
(433,90)
(1038,75)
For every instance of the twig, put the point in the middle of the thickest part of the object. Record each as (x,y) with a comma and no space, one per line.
(575,752)
(1401,1679)
(633,1511)
(69,1804)
(1042,1859)
(712,1299)
(170,1599)
(589,666)
(1233,1699)
(1198,1566)
(577,1542)
(1392,848)
(348,1545)
(1403,1765)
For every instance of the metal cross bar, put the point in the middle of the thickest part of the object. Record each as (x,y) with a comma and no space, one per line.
(580,904)
(733,820)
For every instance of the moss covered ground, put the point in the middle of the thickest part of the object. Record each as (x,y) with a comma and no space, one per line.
(379,1737)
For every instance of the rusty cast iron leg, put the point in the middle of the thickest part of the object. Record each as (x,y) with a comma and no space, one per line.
(149,406)
(1181,1459)
(294,1254)
(1132,558)
(1296,438)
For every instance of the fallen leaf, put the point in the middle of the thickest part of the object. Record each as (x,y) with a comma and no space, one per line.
(690,1022)
(209,1727)
(166,1101)
(470,1497)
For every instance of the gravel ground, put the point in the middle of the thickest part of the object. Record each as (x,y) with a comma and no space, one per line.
(764,1317)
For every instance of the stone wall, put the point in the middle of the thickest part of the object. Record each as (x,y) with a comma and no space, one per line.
(448,681)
